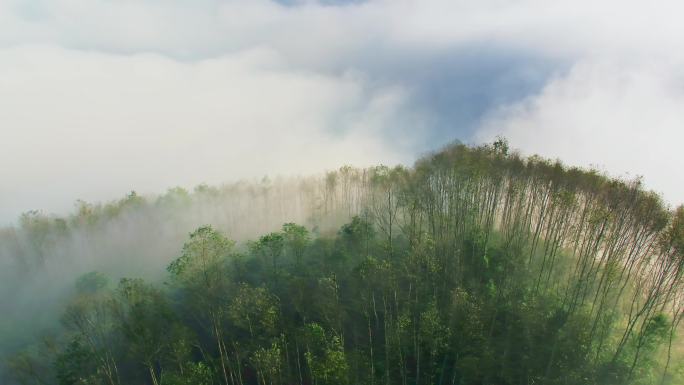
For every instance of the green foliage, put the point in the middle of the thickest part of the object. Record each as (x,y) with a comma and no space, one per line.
(194,373)
(475,267)
(205,251)
(91,282)
(270,246)
(296,239)
(357,235)
(325,356)
(74,365)
(254,310)
(267,362)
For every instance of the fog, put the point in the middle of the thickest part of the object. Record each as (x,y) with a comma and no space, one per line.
(93,126)
(138,236)
(100,97)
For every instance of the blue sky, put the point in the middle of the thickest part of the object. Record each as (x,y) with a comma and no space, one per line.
(100,97)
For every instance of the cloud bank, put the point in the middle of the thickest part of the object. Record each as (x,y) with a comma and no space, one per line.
(93,126)
(625,120)
(99,97)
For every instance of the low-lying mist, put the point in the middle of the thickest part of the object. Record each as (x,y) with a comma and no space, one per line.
(138,236)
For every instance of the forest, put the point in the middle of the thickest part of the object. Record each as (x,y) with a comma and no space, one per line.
(476,265)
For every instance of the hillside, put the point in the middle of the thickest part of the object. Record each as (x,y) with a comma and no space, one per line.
(475,266)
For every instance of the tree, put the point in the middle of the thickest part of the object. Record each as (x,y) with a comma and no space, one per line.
(201,274)
(296,238)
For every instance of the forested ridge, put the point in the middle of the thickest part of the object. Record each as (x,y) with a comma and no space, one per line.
(475,266)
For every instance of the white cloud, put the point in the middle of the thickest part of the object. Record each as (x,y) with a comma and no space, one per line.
(111,92)
(626,120)
(316,33)
(91,125)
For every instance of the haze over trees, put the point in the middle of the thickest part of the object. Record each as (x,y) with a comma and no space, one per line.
(475,266)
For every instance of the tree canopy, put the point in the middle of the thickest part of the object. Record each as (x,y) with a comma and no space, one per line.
(476,266)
